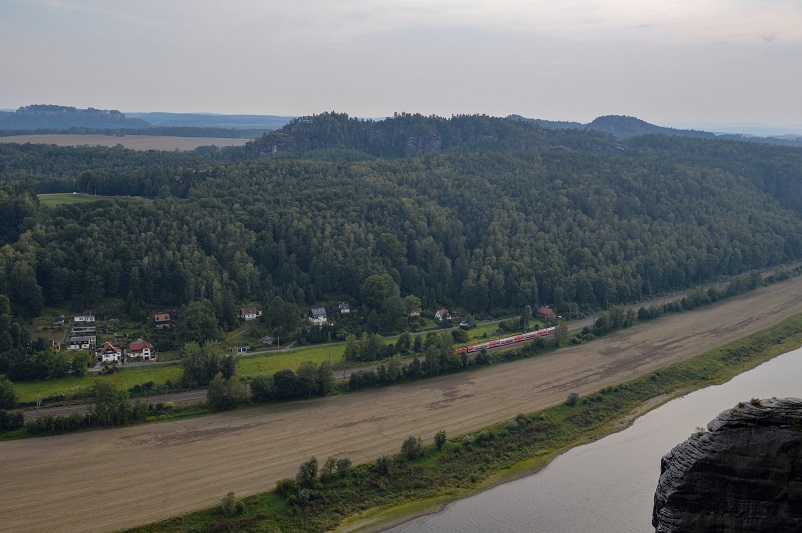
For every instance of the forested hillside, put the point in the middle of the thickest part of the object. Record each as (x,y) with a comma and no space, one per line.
(501,215)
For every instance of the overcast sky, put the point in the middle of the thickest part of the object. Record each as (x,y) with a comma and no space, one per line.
(665,61)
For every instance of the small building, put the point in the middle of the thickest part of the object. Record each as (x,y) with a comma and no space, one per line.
(141,349)
(414,313)
(249,313)
(344,308)
(59,322)
(84,331)
(81,343)
(546,313)
(318,316)
(267,340)
(84,318)
(109,354)
(162,320)
(441,315)
(243,349)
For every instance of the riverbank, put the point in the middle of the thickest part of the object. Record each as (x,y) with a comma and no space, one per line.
(503,452)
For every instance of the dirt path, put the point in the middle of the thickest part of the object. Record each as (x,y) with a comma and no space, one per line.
(110,479)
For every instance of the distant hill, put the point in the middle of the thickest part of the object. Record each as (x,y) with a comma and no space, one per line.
(620,126)
(61,117)
(336,136)
(204,120)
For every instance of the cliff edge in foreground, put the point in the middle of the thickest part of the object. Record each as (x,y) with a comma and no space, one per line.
(743,475)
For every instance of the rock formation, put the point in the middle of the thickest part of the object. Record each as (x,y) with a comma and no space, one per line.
(743,475)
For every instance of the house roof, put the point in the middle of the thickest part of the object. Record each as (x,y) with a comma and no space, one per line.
(344,305)
(248,311)
(442,312)
(547,312)
(109,347)
(164,317)
(138,346)
(80,340)
(318,312)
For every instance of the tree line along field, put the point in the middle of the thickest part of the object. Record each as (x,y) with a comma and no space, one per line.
(195,462)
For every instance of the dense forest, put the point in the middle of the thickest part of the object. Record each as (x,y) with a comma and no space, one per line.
(485,214)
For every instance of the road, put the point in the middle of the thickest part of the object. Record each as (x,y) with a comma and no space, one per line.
(114,478)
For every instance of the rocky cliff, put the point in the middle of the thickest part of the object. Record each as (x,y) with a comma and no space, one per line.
(743,475)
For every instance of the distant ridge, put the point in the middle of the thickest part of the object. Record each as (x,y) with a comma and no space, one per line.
(207,120)
(55,116)
(620,126)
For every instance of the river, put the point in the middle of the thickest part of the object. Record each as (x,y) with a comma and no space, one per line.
(608,486)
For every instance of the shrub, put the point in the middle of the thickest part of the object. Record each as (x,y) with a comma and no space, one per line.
(383,464)
(572,399)
(343,466)
(303,497)
(307,473)
(440,439)
(411,447)
(230,505)
(512,424)
(286,486)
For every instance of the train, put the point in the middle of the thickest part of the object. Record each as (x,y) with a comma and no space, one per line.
(506,341)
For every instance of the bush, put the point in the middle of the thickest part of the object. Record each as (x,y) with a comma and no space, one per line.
(440,439)
(383,464)
(11,420)
(286,486)
(572,399)
(230,505)
(307,473)
(343,466)
(411,447)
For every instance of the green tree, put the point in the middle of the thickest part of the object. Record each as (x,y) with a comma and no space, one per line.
(8,397)
(412,447)
(440,439)
(307,473)
(263,389)
(307,378)
(197,323)
(225,394)
(560,333)
(111,405)
(202,363)
(376,289)
(325,378)
(81,362)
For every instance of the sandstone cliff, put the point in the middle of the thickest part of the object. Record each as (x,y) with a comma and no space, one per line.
(743,475)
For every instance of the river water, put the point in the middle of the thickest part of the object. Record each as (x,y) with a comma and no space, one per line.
(608,486)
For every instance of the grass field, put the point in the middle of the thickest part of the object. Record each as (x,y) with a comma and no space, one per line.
(69,387)
(71,198)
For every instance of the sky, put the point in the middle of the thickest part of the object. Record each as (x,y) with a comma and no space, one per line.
(664,61)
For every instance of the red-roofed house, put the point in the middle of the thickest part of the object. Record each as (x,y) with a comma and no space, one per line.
(162,321)
(546,313)
(141,349)
(109,354)
(442,314)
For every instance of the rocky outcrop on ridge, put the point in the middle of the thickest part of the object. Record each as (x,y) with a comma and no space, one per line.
(743,475)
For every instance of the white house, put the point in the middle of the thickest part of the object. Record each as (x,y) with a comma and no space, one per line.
(83,318)
(81,343)
(249,313)
(109,354)
(442,314)
(141,349)
(344,308)
(318,316)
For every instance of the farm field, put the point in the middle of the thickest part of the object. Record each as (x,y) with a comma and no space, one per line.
(118,474)
(134,142)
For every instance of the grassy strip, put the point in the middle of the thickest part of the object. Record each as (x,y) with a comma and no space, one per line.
(51,199)
(474,462)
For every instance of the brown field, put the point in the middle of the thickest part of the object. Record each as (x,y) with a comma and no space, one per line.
(110,479)
(135,142)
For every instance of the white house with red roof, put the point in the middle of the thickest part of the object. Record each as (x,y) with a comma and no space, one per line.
(109,354)
(141,349)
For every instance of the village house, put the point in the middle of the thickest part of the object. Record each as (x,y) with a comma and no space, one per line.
(267,340)
(109,354)
(84,331)
(162,321)
(546,313)
(318,316)
(142,350)
(84,318)
(441,315)
(344,308)
(81,343)
(59,322)
(249,313)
